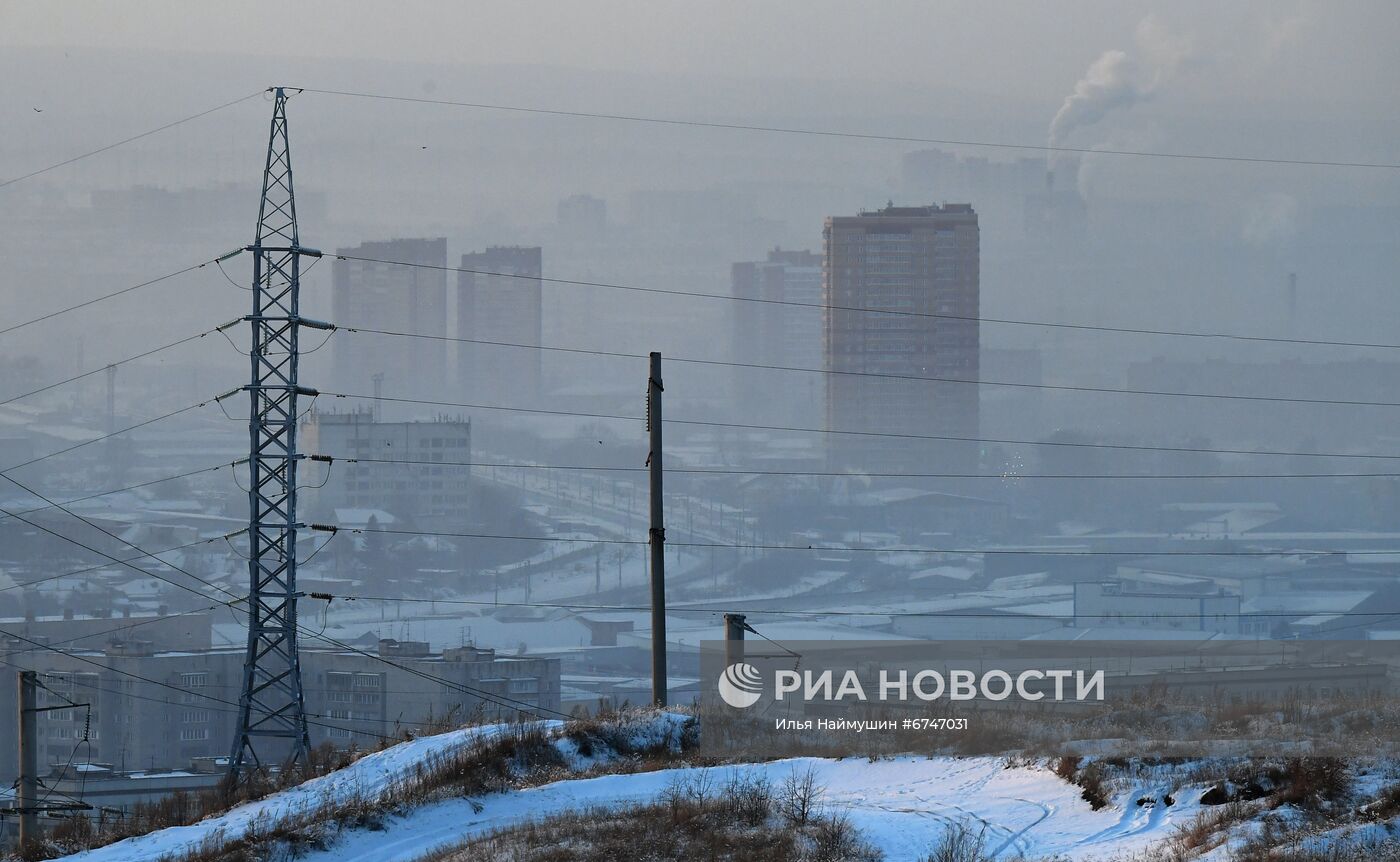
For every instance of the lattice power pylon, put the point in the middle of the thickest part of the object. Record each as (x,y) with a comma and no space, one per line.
(271,710)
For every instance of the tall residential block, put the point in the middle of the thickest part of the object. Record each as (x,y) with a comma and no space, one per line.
(499,300)
(901,287)
(782,327)
(396,298)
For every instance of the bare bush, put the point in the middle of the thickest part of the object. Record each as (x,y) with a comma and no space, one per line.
(961,843)
(750,796)
(799,799)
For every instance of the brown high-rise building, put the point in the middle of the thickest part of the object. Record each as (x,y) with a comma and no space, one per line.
(920,264)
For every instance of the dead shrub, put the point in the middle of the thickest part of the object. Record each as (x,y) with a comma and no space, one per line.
(960,843)
(799,798)
(1312,782)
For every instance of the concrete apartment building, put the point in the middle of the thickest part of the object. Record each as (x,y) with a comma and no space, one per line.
(163,710)
(187,630)
(506,306)
(395,298)
(919,263)
(768,333)
(426,491)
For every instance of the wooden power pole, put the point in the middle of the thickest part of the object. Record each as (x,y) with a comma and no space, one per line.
(27,789)
(657,537)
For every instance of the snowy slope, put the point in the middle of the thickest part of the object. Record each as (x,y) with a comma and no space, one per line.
(368,777)
(902,806)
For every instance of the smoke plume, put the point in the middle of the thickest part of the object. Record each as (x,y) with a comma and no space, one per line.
(1120,79)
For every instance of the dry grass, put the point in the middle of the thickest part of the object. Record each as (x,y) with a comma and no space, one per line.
(521,755)
(700,816)
(182,809)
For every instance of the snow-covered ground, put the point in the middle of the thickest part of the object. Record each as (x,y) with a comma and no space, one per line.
(902,805)
(369,777)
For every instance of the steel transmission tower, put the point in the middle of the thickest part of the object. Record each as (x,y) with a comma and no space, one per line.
(271,710)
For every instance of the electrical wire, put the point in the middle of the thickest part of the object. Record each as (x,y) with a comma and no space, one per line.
(146,134)
(115,364)
(124,290)
(1001,321)
(866,136)
(490,697)
(134,487)
(479,693)
(805,614)
(118,538)
(310,715)
(76,745)
(184,691)
(883,434)
(106,632)
(1058,387)
(142,424)
(758,546)
(153,554)
(852,474)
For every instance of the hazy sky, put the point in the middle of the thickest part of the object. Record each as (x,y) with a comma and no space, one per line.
(1271,50)
(1282,79)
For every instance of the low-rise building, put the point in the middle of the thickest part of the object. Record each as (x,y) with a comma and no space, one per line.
(142,709)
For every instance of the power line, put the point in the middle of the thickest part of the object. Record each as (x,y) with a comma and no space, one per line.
(132,675)
(888,312)
(81,683)
(497,699)
(100,369)
(124,290)
(831,613)
(855,474)
(152,554)
(128,563)
(868,136)
(887,376)
(136,486)
(118,432)
(481,694)
(114,145)
(759,546)
(884,434)
(144,622)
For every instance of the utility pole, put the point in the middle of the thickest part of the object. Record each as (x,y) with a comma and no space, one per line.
(657,537)
(27,796)
(271,707)
(734,627)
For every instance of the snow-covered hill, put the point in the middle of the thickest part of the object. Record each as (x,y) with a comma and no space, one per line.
(902,805)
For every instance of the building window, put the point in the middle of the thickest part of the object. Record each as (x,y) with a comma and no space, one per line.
(194,734)
(367,680)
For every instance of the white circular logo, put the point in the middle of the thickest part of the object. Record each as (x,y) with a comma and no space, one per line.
(741,685)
